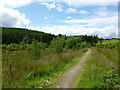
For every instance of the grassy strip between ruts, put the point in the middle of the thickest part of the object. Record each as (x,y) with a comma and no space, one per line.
(47,69)
(100,71)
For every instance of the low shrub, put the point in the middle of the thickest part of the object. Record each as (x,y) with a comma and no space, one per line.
(110,79)
(22,46)
(107,46)
(58,44)
(12,47)
(85,45)
(36,48)
(3,46)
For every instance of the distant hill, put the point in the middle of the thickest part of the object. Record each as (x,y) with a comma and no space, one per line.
(16,35)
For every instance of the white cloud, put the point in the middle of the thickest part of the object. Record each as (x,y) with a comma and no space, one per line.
(15,3)
(11,17)
(103,8)
(69,17)
(50,6)
(59,7)
(45,18)
(77,3)
(102,11)
(94,21)
(83,12)
(71,10)
(109,31)
(80,3)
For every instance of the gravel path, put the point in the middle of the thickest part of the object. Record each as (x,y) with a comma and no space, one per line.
(68,79)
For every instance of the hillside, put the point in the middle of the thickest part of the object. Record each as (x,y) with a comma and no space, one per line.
(16,35)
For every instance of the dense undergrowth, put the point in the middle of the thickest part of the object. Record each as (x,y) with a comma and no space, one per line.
(20,70)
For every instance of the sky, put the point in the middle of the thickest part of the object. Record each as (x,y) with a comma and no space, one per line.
(67,17)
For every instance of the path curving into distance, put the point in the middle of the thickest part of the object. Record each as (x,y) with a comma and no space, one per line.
(69,77)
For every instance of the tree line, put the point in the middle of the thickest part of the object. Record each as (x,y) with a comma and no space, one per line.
(17,35)
(35,42)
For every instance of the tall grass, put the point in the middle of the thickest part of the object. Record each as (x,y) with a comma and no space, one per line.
(111,54)
(100,70)
(0,68)
(20,69)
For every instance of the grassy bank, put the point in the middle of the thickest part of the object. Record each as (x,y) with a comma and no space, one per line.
(100,70)
(112,43)
(21,70)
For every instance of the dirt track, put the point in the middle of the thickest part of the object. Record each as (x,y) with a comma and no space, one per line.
(68,79)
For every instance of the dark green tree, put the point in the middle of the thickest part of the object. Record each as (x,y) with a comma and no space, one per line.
(58,44)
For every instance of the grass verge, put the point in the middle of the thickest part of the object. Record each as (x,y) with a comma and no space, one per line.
(100,70)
